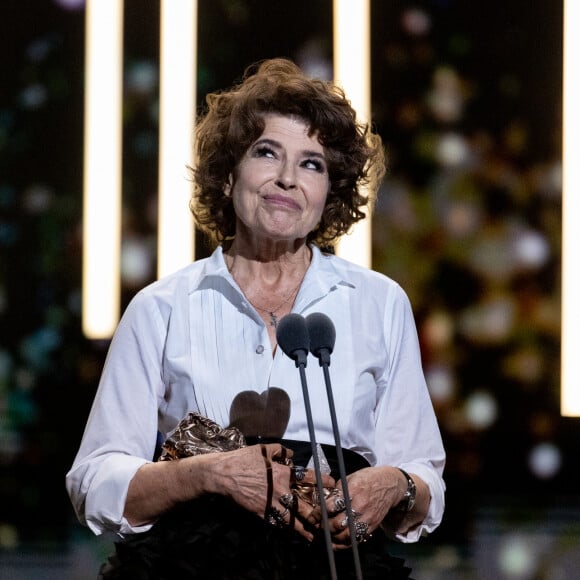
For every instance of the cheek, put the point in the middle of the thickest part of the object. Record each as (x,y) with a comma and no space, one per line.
(241,204)
(320,202)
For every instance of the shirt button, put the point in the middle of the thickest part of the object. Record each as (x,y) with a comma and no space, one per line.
(259,349)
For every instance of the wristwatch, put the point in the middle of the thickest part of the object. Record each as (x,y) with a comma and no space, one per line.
(410,497)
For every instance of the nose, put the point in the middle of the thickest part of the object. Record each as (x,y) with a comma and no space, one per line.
(286,177)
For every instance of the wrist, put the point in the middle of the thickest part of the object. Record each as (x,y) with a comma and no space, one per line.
(409,499)
(194,477)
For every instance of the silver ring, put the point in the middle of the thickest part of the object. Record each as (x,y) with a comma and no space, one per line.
(276,518)
(288,500)
(298,472)
(362,532)
(353,513)
(339,504)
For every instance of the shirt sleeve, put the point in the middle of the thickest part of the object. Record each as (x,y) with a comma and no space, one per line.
(408,435)
(121,431)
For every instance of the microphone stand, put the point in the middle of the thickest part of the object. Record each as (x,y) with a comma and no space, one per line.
(341,467)
(322,328)
(328,540)
(293,338)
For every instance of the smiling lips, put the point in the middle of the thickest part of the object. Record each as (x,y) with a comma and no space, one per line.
(281,201)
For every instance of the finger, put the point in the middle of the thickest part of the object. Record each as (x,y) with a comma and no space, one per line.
(297,508)
(279,518)
(342,536)
(307,476)
(339,527)
(298,474)
(335,503)
(269,480)
(362,531)
(277,452)
(283,455)
(289,500)
(276,517)
(340,533)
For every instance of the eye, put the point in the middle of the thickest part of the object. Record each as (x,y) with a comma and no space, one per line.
(314,164)
(265,151)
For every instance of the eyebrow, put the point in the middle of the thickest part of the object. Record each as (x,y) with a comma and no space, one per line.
(278,145)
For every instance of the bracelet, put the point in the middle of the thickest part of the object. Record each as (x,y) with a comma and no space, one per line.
(410,497)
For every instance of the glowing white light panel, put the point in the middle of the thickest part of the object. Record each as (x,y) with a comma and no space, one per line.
(570,395)
(177,115)
(102,167)
(352,72)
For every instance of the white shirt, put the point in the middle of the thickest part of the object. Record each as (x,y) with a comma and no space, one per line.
(192,342)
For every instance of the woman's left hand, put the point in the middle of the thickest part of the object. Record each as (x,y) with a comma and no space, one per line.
(373,492)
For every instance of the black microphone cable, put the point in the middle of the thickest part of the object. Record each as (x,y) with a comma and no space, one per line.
(292,337)
(322,336)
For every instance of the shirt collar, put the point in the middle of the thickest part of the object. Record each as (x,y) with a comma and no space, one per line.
(326,274)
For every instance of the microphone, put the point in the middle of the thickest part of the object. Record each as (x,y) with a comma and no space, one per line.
(322,335)
(292,336)
(293,339)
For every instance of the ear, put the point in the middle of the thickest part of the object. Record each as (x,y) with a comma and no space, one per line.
(228,186)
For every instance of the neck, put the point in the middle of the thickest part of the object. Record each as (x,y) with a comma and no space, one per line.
(266,268)
(271,286)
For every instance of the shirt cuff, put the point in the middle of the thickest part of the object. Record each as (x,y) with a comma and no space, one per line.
(107,494)
(436,505)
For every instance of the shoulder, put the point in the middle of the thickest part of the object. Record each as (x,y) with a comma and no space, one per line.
(172,291)
(356,275)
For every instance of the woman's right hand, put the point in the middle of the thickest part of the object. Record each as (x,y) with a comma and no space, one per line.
(259,478)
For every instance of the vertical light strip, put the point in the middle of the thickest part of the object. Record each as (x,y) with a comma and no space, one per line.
(102,167)
(177,115)
(352,72)
(570,388)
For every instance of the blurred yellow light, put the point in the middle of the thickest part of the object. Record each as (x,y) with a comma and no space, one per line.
(102,167)
(177,116)
(352,72)
(570,388)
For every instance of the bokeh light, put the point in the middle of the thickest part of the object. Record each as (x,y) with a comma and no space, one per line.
(70,4)
(545,460)
(416,21)
(137,262)
(481,410)
(441,383)
(517,558)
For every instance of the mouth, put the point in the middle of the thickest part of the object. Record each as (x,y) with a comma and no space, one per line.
(281,201)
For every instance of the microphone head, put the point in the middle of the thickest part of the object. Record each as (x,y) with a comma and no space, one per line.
(321,332)
(292,337)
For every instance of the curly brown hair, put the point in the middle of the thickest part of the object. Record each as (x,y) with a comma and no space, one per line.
(234,119)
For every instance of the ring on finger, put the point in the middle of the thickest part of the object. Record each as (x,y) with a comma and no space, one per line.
(288,500)
(276,518)
(353,513)
(339,504)
(362,532)
(298,473)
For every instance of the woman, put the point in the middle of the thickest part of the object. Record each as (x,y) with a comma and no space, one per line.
(281,160)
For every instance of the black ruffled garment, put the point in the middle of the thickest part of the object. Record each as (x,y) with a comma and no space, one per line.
(212,538)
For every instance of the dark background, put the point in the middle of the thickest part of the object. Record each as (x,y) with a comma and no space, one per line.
(467,97)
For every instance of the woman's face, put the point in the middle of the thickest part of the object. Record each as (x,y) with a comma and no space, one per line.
(280,185)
